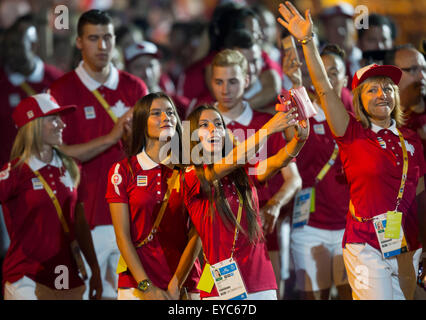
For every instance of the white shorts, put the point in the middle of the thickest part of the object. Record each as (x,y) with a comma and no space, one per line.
(260,295)
(317,256)
(374,278)
(107,252)
(135,294)
(27,289)
(284,231)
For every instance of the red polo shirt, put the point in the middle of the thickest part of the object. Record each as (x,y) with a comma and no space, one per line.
(374,172)
(269,63)
(38,243)
(11,94)
(193,85)
(89,121)
(332,192)
(144,192)
(244,126)
(417,123)
(217,238)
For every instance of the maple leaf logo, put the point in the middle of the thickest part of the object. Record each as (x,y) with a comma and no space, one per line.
(67,180)
(119,108)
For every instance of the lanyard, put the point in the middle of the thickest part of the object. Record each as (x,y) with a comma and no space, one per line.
(54,200)
(104,104)
(27,88)
(328,165)
(171,185)
(240,210)
(401,188)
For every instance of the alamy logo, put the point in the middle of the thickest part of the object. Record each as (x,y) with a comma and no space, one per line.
(62,19)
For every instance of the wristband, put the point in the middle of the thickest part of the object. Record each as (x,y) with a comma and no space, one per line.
(306,40)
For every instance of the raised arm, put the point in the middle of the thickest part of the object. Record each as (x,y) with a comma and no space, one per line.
(270,166)
(241,153)
(301,28)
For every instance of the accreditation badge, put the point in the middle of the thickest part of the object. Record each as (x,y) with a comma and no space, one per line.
(89,112)
(304,204)
(228,281)
(390,234)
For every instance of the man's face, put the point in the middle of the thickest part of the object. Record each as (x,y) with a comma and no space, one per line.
(147,68)
(228,85)
(340,30)
(413,81)
(96,44)
(255,61)
(376,38)
(18,51)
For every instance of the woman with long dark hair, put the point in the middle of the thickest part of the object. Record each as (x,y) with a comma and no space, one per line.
(221,198)
(149,218)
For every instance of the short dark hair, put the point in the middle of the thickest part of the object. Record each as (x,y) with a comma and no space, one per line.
(240,38)
(332,48)
(378,20)
(390,54)
(93,17)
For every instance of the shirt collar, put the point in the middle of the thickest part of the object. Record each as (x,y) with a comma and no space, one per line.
(147,163)
(36,76)
(244,118)
(35,164)
(375,128)
(91,84)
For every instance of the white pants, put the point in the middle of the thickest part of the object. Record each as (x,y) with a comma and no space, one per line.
(374,278)
(107,252)
(317,256)
(27,289)
(135,294)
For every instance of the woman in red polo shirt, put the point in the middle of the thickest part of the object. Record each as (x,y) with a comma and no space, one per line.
(384,166)
(38,192)
(152,240)
(223,204)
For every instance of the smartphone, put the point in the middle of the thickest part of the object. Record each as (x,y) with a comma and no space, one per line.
(289,46)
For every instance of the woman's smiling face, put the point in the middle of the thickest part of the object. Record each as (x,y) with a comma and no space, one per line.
(211,131)
(378,99)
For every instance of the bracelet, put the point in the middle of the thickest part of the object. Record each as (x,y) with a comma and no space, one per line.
(306,40)
(297,139)
(290,155)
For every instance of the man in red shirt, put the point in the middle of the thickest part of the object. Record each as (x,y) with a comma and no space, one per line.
(229,81)
(412,87)
(142,59)
(22,74)
(103,96)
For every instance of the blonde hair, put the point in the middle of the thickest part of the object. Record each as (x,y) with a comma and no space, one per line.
(229,57)
(28,143)
(359,109)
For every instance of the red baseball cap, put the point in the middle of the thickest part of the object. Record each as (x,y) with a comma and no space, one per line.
(141,48)
(36,106)
(373,70)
